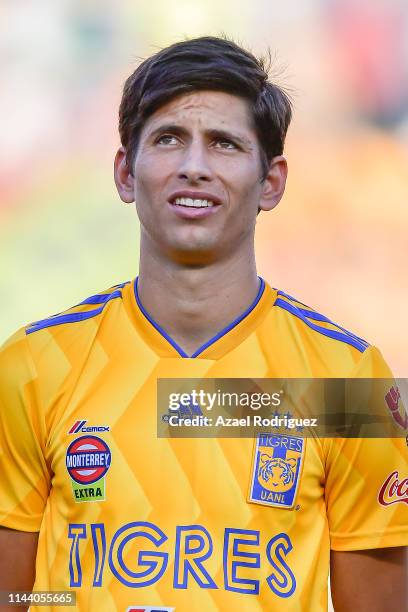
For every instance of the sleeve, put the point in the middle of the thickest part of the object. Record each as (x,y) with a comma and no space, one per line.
(366,479)
(25,478)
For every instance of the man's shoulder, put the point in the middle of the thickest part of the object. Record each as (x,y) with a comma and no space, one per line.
(302,342)
(316,325)
(46,352)
(87,309)
(308,343)
(68,326)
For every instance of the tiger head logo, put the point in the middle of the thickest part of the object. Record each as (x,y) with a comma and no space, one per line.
(276,474)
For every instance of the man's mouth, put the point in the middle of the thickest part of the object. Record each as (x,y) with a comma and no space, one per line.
(193,203)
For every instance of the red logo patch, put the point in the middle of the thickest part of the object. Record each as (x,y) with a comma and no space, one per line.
(88,458)
(392,399)
(393,490)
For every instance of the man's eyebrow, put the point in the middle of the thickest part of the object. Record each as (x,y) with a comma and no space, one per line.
(212,133)
(219,133)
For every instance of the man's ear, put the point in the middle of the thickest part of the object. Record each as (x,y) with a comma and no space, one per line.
(274,183)
(123,178)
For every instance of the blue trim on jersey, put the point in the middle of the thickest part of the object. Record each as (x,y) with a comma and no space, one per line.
(60,319)
(156,325)
(74,317)
(312,314)
(211,341)
(235,322)
(101,299)
(319,317)
(360,345)
(290,297)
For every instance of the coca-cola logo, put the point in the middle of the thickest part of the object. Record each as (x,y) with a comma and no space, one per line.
(393,490)
(399,414)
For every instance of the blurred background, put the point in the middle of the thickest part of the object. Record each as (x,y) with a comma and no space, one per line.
(338,239)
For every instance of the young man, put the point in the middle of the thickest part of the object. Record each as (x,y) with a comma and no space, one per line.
(92,500)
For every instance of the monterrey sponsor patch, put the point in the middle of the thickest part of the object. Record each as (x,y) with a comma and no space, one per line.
(88,459)
(276,469)
(393,490)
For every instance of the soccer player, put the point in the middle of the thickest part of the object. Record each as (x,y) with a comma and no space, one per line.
(92,501)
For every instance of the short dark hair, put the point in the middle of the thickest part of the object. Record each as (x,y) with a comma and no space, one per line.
(205,63)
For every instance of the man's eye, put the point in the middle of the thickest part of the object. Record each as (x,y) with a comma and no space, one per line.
(226,144)
(167,139)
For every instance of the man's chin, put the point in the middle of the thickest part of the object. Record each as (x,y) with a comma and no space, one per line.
(197,253)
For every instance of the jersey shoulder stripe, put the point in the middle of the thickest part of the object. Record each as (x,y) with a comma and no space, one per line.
(308,315)
(79,312)
(312,314)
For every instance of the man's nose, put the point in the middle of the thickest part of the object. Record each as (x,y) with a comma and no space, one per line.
(195,164)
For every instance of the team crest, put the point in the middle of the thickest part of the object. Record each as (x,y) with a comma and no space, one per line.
(88,459)
(276,469)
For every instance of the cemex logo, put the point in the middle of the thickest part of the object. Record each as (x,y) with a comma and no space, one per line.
(79,427)
(149,609)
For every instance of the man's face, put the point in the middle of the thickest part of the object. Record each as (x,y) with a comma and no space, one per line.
(197,176)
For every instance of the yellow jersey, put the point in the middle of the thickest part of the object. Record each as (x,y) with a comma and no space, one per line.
(131,521)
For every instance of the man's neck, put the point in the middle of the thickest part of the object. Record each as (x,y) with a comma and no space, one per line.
(192,304)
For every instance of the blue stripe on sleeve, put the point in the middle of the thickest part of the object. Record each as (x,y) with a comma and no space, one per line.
(74,317)
(360,345)
(59,320)
(311,314)
(101,299)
